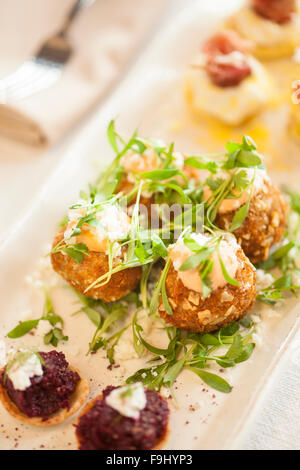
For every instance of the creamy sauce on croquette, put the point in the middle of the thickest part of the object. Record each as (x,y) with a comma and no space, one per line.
(229,205)
(114,224)
(228,247)
(133,162)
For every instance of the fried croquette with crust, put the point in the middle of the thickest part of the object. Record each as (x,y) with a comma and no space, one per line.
(95,264)
(224,305)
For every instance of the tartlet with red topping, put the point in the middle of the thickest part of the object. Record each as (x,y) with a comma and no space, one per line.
(272,25)
(41,389)
(123,418)
(226,82)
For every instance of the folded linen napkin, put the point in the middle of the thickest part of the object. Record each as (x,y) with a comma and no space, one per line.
(104,37)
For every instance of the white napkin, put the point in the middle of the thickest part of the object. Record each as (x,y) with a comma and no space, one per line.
(104,37)
(277,426)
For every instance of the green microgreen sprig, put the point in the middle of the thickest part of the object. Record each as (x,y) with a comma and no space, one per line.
(194,352)
(54,335)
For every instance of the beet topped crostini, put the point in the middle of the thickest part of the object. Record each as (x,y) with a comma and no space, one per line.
(123,418)
(41,388)
(272,25)
(209,282)
(226,81)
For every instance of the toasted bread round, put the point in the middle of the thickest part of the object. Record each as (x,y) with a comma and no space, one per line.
(159,445)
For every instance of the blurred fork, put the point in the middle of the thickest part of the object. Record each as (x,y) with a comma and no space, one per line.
(45,67)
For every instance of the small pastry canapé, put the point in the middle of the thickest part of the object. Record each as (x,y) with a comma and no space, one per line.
(226,81)
(272,25)
(41,388)
(123,418)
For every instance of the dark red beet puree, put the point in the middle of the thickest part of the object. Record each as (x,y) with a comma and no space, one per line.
(47,393)
(102,427)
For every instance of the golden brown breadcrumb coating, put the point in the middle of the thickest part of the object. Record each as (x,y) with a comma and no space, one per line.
(224,305)
(82,275)
(264,226)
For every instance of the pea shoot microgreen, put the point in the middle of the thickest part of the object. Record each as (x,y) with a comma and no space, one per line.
(54,335)
(194,352)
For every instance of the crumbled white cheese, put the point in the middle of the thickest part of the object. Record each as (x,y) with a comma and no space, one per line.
(20,374)
(124,349)
(114,224)
(255,318)
(263,279)
(43,327)
(165,392)
(128,400)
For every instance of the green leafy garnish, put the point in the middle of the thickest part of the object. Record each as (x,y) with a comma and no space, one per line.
(53,336)
(193,351)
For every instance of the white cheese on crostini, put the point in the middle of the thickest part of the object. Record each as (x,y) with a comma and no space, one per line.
(128,400)
(228,247)
(20,374)
(231,105)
